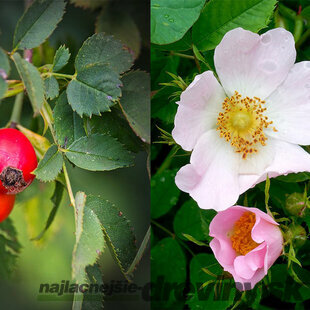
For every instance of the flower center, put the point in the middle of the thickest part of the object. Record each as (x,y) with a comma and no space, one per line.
(242,123)
(240,237)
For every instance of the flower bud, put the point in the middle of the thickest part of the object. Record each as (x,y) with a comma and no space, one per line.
(296,205)
(297,234)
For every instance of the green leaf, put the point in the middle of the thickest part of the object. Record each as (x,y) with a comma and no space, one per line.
(38,23)
(140,252)
(117,231)
(220,16)
(115,21)
(99,153)
(184,44)
(163,107)
(5,68)
(98,64)
(168,266)
(93,91)
(9,248)
(170,19)
(305,13)
(68,125)
(56,199)
(89,239)
(93,300)
(51,87)
(50,166)
(204,268)
(287,289)
(101,49)
(3,87)
(32,80)
(161,64)
(135,103)
(164,192)
(115,125)
(294,177)
(192,220)
(61,58)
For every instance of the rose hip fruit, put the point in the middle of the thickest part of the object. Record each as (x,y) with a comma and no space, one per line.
(6,205)
(17,160)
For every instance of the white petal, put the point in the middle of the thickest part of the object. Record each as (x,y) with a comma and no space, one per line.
(257,163)
(214,160)
(254,65)
(289,158)
(289,106)
(198,110)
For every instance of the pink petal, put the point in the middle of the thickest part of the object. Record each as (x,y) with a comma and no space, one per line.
(219,228)
(289,106)
(254,65)
(289,158)
(214,160)
(187,178)
(246,265)
(198,110)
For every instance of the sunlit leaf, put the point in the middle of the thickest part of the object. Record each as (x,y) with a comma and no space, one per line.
(170,19)
(220,16)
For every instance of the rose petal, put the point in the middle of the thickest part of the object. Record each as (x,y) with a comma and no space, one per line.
(198,110)
(289,106)
(215,162)
(289,158)
(254,65)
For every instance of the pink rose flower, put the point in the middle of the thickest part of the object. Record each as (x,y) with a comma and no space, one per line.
(246,243)
(248,126)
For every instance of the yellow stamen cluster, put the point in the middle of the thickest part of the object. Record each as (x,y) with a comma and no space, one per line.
(241,238)
(242,123)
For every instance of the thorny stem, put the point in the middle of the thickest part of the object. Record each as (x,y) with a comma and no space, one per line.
(70,192)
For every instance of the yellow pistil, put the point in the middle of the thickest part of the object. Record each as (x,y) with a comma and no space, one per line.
(241,238)
(242,123)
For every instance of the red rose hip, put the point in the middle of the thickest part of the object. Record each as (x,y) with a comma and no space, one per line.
(6,205)
(17,160)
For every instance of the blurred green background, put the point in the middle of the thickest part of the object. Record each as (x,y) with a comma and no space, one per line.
(49,261)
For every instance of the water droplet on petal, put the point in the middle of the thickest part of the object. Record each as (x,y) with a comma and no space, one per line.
(266,38)
(268,66)
(307,64)
(307,85)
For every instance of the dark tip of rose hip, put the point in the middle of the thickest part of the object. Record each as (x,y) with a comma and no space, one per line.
(12,179)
